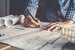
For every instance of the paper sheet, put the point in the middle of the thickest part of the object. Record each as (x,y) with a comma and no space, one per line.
(31,38)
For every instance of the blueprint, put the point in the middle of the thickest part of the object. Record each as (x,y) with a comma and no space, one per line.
(32,38)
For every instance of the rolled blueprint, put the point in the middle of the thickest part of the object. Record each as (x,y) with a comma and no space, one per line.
(9,23)
(11,20)
(1,22)
(22,17)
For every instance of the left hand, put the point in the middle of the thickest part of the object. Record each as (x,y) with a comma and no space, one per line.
(58,25)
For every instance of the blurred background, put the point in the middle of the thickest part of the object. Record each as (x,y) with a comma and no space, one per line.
(11,7)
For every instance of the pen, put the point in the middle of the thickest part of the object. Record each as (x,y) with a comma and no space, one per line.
(32,17)
(30,14)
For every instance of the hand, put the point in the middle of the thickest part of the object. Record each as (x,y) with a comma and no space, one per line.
(30,22)
(58,25)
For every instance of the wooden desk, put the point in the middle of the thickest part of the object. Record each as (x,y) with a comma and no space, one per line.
(8,47)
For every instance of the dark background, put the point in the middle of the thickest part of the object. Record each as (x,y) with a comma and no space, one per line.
(11,7)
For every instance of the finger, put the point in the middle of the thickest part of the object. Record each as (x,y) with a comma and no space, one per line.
(51,27)
(47,27)
(37,20)
(34,22)
(32,26)
(56,28)
(29,24)
(26,24)
(30,19)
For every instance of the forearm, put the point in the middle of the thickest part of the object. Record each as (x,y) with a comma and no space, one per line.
(67,10)
(64,23)
(67,21)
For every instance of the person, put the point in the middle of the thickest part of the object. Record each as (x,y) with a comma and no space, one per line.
(58,12)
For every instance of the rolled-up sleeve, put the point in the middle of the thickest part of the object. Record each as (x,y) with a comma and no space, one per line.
(68,11)
(71,11)
(31,6)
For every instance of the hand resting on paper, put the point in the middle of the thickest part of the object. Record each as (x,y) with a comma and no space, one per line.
(58,25)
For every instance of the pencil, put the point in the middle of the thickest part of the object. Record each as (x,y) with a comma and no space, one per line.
(30,14)
(32,17)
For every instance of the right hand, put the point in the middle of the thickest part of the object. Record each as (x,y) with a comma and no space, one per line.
(30,22)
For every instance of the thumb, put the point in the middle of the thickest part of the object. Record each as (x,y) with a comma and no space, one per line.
(37,20)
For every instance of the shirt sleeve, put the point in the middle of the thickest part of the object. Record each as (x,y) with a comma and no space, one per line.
(31,6)
(71,12)
(67,10)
